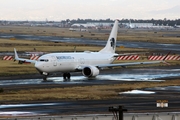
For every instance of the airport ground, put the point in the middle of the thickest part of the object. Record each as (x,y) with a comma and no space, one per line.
(90,96)
(95,97)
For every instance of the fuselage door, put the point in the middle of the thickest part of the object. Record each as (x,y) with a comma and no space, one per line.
(54,60)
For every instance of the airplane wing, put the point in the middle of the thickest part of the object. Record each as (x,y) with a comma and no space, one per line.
(128,64)
(101,66)
(22,59)
(133,63)
(124,54)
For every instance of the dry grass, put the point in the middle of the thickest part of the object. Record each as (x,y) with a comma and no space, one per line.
(124,34)
(9,68)
(149,36)
(95,92)
(8,45)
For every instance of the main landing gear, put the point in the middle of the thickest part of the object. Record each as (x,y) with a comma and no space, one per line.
(66,76)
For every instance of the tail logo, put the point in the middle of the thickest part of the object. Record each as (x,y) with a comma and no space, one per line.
(112,43)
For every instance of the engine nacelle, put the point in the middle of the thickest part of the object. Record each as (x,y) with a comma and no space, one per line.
(90,71)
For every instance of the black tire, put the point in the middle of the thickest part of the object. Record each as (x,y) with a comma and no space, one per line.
(66,76)
(44,78)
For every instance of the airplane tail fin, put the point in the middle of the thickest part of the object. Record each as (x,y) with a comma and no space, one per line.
(111,43)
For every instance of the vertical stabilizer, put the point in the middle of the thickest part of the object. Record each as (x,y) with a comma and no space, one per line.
(15,54)
(111,43)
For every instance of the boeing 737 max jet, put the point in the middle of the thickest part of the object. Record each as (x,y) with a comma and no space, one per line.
(89,63)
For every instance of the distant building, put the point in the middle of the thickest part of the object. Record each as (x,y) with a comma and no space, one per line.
(138,25)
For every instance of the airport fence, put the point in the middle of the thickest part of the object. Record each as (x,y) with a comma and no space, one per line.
(127,116)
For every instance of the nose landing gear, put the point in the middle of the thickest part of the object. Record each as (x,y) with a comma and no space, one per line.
(45,78)
(45,75)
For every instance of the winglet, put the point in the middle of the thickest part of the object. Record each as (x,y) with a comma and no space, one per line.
(165,58)
(22,60)
(15,54)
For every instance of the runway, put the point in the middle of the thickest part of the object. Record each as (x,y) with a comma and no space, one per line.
(136,102)
(105,77)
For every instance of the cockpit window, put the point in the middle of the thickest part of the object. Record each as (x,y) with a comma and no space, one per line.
(43,60)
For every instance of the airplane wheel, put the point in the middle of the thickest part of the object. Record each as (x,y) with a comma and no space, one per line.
(44,78)
(66,76)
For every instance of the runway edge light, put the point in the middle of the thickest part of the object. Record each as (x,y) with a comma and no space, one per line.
(162,103)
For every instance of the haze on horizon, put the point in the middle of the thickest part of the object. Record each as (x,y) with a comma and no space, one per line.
(57,10)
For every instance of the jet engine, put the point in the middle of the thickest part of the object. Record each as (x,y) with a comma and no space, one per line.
(90,71)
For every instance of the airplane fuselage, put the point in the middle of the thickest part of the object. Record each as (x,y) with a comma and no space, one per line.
(69,62)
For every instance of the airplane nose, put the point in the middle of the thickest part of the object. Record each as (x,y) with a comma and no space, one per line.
(38,67)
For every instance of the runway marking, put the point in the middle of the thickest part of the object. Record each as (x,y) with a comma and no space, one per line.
(27,105)
(137,92)
(19,113)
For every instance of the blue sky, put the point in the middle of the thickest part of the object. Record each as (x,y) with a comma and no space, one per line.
(85,9)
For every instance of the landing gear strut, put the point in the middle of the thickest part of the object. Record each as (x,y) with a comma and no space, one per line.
(66,76)
(45,75)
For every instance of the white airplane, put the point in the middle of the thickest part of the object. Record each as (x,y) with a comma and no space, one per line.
(130,25)
(176,26)
(89,63)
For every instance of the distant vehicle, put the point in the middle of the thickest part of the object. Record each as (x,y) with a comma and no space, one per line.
(89,63)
